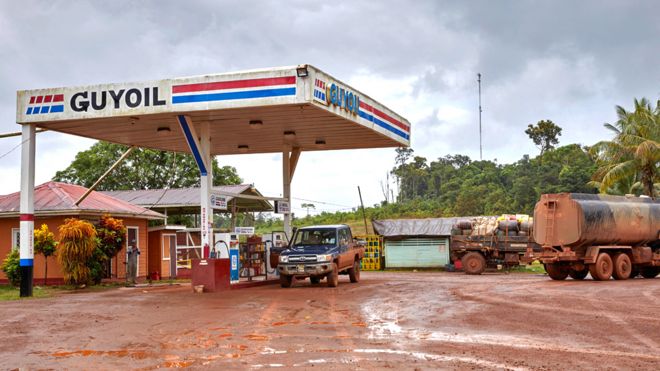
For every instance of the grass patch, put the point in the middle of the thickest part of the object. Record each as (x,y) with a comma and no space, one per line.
(13,293)
(535,268)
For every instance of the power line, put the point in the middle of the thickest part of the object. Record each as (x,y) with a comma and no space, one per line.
(321,202)
(8,135)
(14,148)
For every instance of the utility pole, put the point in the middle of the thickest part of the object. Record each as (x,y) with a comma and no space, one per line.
(481,155)
(366,231)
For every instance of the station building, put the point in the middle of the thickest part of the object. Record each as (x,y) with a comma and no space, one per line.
(54,202)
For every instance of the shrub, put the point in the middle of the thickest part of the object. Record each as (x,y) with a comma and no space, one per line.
(11,267)
(111,234)
(77,245)
(44,244)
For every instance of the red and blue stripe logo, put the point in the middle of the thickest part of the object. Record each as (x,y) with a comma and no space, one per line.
(235,89)
(384,120)
(319,91)
(42,104)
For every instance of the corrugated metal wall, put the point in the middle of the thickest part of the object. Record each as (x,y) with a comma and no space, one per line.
(417,253)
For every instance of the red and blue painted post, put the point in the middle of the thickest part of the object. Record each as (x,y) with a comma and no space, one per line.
(27,209)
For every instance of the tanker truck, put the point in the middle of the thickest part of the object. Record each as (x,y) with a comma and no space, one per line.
(606,236)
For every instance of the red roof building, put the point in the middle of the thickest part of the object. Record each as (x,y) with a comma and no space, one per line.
(53,203)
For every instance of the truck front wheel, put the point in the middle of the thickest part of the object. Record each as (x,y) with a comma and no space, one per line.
(286,281)
(602,269)
(473,263)
(556,271)
(622,267)
(333,277)
(354,272)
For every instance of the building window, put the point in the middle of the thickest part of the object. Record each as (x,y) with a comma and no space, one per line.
(15,238)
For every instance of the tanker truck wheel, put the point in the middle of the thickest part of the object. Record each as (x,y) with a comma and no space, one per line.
(622,267)
(473,263)
(601,270)
(578,275)
(650,272)
(557,272)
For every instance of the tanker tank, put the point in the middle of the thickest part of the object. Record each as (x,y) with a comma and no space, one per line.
(605,236)
(587,219)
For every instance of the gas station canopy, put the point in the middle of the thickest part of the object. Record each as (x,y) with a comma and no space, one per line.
(287,110)
(255,111)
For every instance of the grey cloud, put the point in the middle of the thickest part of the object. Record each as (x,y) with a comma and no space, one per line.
(564,60)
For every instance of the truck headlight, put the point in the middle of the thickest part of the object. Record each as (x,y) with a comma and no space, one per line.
(324,258)
(284,259)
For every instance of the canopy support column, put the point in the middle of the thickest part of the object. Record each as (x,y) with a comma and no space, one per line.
(290,158)
(27,209)
(200,147)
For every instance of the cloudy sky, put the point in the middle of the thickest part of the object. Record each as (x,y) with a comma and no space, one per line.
(567,61)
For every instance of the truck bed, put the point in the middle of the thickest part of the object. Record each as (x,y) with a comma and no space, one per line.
(517,244)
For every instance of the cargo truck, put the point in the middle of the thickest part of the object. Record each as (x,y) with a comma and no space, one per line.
(605,236)
(491,242)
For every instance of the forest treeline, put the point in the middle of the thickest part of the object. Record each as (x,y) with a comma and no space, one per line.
(455,185)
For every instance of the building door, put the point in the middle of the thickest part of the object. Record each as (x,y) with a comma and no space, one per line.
(132,239)
(169,255)
(417,253)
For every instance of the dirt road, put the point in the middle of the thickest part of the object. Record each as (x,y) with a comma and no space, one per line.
(388,320)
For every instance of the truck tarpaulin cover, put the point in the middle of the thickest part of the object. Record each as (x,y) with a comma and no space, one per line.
(415,227)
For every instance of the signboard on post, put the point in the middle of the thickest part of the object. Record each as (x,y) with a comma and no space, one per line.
(244,230)
(282,207)
(219,202)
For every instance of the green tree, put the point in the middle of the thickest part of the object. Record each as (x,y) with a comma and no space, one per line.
(544,134)
(308,206)
(44,244)
(142,169)
(629,162)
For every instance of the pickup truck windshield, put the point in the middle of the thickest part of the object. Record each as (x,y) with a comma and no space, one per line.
(311,237)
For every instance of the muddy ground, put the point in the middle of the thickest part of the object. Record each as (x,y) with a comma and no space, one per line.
(389,320)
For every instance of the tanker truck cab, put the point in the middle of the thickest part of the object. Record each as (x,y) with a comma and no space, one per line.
(322,251)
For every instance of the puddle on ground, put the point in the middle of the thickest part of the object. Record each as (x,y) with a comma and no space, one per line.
(270,365)
(322,323)
(177,364)
(137,354)
(442,358)
(256,337)
(268,350)
(240,347)
(384,325)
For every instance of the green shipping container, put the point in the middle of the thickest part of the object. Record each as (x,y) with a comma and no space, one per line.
(417,253)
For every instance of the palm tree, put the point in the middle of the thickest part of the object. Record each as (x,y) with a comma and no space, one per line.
(630,160)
